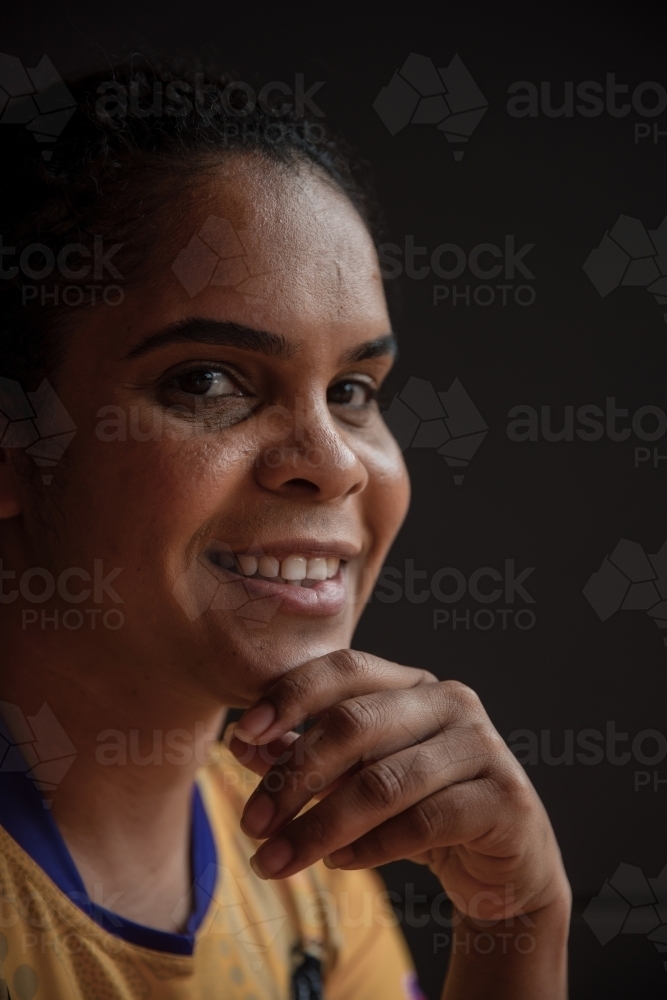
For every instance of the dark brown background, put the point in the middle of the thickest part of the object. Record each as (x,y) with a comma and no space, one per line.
(559,183)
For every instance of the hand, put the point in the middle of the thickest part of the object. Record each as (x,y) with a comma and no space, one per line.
(405,766)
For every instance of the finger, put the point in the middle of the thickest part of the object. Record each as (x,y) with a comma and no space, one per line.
(309,689)
(370,797)
(355,731)
(479,814)
(259,759)
(460,813)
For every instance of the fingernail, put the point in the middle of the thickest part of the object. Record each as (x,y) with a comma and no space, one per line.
(258,815)
(228,734)
(272,857)
(341,858)
(255,867)
(255,722)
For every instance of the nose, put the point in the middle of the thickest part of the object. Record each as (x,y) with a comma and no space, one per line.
(313,461)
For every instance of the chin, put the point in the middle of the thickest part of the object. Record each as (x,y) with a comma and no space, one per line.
(254,629)
(246,664)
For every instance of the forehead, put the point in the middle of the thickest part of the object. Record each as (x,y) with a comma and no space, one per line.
(267,246)
(282,247)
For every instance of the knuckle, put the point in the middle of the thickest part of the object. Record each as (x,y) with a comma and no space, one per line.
(427,819)
(481,733)
(382,784)
(503,766)
(520,793)
(513,805)
(512,793)
(482,744)
(317,831)
(351,662)
(464,700)
(293,690)
(351,719)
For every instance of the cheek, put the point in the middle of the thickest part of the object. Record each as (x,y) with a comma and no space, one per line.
(387,496)
(150,498)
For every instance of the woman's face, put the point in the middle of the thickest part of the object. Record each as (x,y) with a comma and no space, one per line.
(211,463)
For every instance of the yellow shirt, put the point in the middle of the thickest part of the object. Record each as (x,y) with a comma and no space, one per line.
(258,940)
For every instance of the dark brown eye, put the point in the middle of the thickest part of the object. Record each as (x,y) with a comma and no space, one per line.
(206,382)
(349,393)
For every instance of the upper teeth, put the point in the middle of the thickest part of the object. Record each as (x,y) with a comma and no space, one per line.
(293,568)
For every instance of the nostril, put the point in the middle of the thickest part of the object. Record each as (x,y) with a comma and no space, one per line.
(303,484)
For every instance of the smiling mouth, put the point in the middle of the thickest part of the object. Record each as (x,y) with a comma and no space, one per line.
(295,570)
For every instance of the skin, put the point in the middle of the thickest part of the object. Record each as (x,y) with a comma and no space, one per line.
(291,457)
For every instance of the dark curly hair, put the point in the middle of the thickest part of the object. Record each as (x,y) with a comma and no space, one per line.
(139,136)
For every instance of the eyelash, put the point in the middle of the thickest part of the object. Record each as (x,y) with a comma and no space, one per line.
(171,383)
(370,390)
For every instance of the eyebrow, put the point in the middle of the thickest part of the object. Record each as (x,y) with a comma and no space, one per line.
(372,349)
(208,331)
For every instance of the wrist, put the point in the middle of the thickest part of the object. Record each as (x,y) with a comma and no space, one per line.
(537,920)
(521,957)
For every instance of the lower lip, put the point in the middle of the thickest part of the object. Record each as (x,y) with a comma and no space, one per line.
(325,597)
